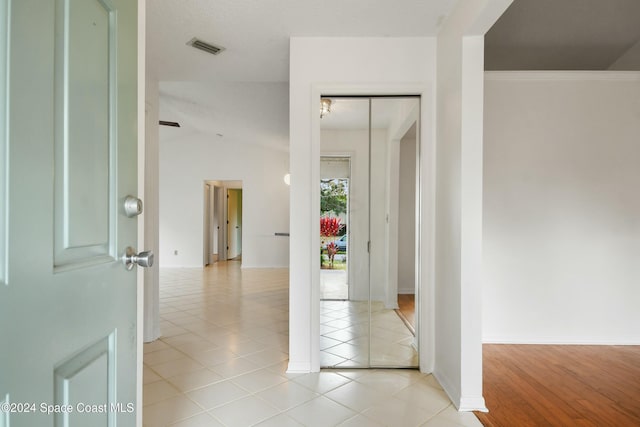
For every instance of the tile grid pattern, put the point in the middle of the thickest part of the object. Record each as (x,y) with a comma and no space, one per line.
(222,361)
(346,339)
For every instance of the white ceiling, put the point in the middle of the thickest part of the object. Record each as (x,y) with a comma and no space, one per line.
(243,92)
(256,33)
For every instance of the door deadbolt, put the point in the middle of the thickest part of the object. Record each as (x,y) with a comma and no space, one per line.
(132,206)
(143,259)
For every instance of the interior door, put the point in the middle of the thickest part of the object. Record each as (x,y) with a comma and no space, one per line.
(218,208)
(67,302)
(208,232)
(234,215)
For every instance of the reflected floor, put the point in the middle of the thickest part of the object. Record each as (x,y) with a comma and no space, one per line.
(333,284)
(344,336)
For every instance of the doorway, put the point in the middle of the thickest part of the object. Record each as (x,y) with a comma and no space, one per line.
(365,329)
(222,232)
(234,224)
(335,172)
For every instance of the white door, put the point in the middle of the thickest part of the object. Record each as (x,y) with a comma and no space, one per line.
(67,303)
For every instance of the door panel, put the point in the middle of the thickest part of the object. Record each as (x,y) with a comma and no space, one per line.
(86,381)
(345,325)
(68,310)
(392,341)
(84,93)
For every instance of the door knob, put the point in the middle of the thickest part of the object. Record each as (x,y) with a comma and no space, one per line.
(143,259)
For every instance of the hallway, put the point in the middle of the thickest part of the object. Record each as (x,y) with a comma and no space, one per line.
(222,361)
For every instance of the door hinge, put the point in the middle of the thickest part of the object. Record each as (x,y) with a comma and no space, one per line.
(369,246)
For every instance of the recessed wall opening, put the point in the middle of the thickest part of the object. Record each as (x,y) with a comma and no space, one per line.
(222,235)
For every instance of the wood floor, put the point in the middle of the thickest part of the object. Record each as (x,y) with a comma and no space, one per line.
(407,311)
(550,385)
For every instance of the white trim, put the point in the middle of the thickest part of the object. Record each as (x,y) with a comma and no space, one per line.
(558,341)
(298,368)
(449,387)
(561,75)
(468,404)
(463,404)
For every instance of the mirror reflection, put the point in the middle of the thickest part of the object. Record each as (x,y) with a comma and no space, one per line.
(369,172)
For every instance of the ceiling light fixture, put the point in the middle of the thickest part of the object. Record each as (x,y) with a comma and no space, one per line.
(325,107)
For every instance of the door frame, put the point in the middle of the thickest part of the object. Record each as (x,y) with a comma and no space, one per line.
(218,205)
(207,225)
(425,209)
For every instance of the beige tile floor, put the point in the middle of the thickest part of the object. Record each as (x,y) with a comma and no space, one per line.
(222,361)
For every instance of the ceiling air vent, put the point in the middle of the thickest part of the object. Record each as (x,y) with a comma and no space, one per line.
(199,44)
(172,124)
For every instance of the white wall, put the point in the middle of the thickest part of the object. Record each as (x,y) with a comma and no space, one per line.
(458,249)
(337,66)
(150,211)
(561,208)
(190,156)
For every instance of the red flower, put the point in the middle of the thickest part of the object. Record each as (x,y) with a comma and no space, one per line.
(329,226)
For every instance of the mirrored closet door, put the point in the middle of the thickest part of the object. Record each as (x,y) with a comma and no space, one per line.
(369,171)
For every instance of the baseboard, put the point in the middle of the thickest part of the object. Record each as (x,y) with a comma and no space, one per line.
(299,368)
(449,388)
(557,341)
(468,404)
(463,404)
